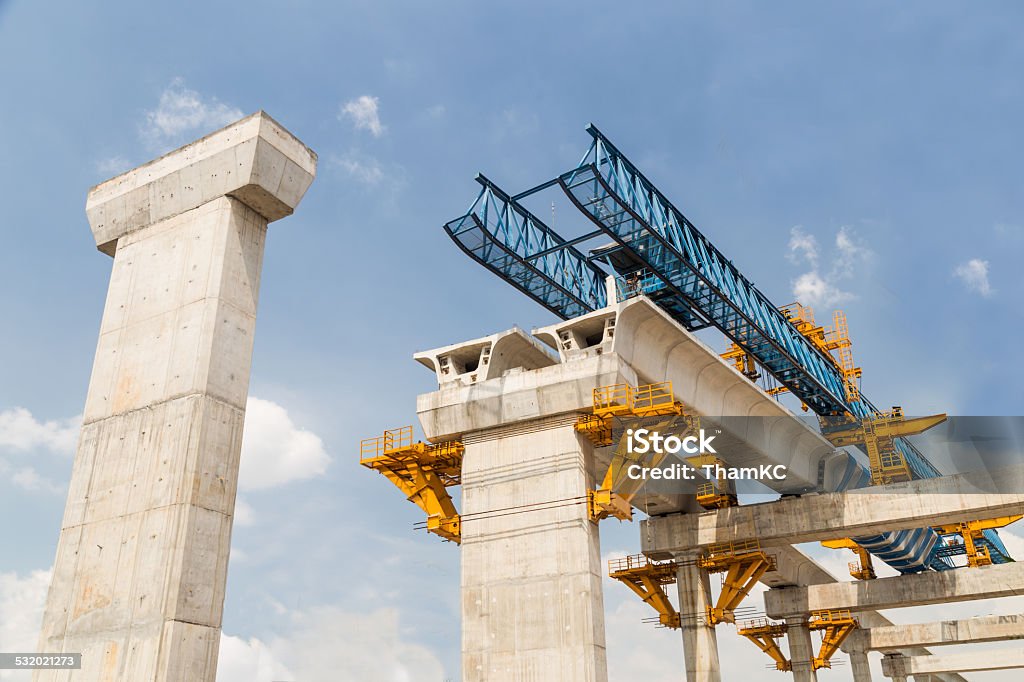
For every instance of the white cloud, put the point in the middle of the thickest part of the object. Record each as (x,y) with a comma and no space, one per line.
(249,660)
(245,515)
(183,113)
(328,643)
(821,286)
(29,479)
(275,451)
(365,170)
(21,432)
(364,113)
(802,246)
(21,615)
(113,165)
(974,275)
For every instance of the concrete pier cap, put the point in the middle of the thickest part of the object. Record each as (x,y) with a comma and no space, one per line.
(254,160)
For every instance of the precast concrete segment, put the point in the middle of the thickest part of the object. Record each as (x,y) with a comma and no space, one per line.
(700,641)
(138,582)
(947,632)
(988,582)
(974,661)
(659,349)
(532,604)
(827,516)
(801,650)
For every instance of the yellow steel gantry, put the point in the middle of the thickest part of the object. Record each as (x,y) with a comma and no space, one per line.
(888,465)
(647,578)
(423,472)
(743,563)
(972,532)
(834,625)
(616,401)
(863,568)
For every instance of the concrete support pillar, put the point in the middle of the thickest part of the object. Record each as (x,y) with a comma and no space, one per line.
(700,643)
(532,604)
(860,666)
(138,583)
(801,650)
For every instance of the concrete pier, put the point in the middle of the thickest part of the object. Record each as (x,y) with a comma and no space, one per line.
(898,667)
(532,574)
(700,642)
(860,666)
(989,582)
(801,650)
(138,582)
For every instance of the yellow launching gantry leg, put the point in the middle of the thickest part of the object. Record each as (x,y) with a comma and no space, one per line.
(647,578)
(888,465)
(835,626)
(423,471)
(621,400)
(863,568)
(744,563)
(972,532)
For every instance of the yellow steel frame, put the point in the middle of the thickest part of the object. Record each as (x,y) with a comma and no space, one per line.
(423,472)
(621,400)
(888,465)
(765,635)
(863,568)
(835,626)
(971,532)
(743,563)
(647,578)
(743,361)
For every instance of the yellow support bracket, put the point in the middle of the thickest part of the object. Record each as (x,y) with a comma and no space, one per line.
(647,578)
(743,563)
(835,626)
(765,635)
(423,472)
(864,567)
(610,402)
(971,532)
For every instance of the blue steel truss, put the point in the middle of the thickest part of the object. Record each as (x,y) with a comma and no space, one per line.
(670,260)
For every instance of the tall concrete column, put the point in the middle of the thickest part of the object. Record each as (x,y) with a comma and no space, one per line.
(700,643)
(861,666)
(138,583)
(801,650)
(532,606)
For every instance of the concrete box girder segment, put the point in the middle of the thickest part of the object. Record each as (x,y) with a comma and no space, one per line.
(989,582)
(975,661)
(138,582)
(827,516)
(947,632)
(658,349)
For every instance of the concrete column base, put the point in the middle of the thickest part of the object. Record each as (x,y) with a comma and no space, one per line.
(700,642)
(801,650)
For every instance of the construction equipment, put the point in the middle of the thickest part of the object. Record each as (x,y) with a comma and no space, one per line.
(647,578)
(743,563)
(423,472)
(974,542)
(834,625)
(618,401)
(877,436)
(863,568)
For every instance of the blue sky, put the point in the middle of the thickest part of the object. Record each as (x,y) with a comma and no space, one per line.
(866,157)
